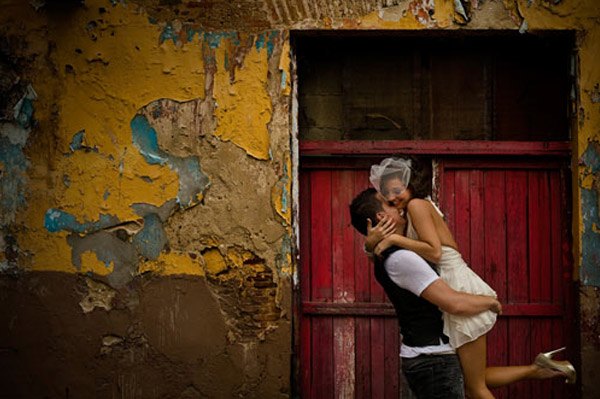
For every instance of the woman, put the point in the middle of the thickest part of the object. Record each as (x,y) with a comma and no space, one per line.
(404,185)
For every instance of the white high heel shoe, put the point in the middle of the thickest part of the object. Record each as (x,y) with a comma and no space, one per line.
(545,360)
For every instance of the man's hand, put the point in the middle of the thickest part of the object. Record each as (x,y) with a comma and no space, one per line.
(459,303)
(383,229)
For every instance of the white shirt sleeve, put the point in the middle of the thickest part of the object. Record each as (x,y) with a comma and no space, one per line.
(409,271)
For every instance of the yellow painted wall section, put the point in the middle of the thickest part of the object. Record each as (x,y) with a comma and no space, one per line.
(109,66)
(285,68)
(174,263)
(243,104)
(214,261)
(91,263)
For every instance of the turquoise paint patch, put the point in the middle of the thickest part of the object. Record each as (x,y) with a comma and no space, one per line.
(13,176)
(168,33)
(283,79)
(271,42)
(77,141)
(106,195)
(25,113)
(190,34)
(266,40)
(145,139)
(284,253)
(213,39)
(56,220)
(13,180)
(591,157)
(590,245)
(192,181)
(260,41)
(152,239)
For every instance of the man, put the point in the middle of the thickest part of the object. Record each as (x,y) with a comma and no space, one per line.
(429,363)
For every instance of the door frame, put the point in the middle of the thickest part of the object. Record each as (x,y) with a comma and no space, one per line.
(314,152)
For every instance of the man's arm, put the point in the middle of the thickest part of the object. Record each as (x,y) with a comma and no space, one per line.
(459,303)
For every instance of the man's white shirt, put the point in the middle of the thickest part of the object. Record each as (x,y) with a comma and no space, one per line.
(409,271)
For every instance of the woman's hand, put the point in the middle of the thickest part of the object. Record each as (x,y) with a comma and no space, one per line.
(383,229)
(382,246)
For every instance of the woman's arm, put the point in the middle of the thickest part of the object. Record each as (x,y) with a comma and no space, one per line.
(382,229)
(429,245)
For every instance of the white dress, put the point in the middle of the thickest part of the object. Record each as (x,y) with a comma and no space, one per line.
(459,276)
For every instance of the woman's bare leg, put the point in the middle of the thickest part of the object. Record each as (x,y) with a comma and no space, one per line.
(500,376)
(473,361)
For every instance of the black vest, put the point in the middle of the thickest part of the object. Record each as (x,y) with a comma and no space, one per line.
(420,321)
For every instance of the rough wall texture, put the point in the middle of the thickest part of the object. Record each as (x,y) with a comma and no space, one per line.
(145,185)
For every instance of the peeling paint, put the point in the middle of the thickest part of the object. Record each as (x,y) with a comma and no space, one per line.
(266,40)
(243,106)
(13,162)
(13,180)
(595,94)
(192,181)
(282,191)
(174,263)
(284,258)
(213,39)
(424,11)
(90,264)
(252,310)
(110,250)
(214,261)
(590,241)
(98,296)
(285,68)
(77,141)
(461,8)
(152,239)
(591,158)
(590,238)
(57,220)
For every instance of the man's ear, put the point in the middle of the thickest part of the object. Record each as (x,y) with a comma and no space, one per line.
(378,216)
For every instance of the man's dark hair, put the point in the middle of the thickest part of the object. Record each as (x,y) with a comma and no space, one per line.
(364,206)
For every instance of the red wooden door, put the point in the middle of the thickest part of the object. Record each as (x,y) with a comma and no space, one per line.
(349,336)
(510,218)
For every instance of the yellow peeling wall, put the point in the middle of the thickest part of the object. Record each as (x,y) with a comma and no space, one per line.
(111,62)
(169,127)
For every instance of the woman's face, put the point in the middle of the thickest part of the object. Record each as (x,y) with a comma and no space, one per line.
(396,193)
